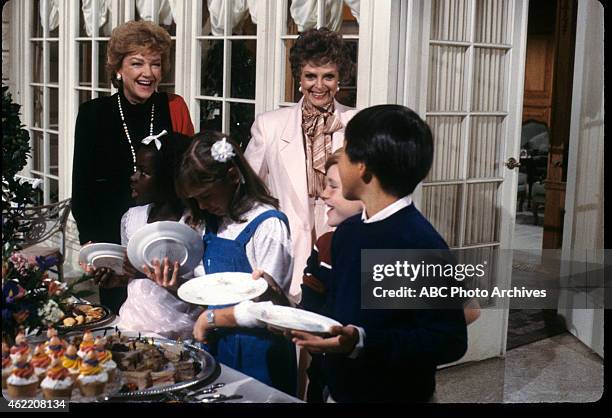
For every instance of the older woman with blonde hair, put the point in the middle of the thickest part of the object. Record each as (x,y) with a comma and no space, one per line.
(109,130)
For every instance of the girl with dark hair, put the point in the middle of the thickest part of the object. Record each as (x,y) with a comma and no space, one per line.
(243,232)
(149,307)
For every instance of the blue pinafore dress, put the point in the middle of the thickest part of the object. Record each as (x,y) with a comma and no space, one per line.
(255,352)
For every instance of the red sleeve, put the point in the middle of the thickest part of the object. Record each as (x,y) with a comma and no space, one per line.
(179,114)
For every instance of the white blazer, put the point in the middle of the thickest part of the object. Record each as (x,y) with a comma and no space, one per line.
(276,153)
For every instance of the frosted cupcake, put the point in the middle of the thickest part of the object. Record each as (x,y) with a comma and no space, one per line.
(41,362)
(54,342)
(105,358)
(92,378)
(22,383)
(55,347)
(86,345)
(7,364)
(72,361)
(21,347)
(57,383)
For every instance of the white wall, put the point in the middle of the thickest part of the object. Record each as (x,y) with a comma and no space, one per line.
(584,226)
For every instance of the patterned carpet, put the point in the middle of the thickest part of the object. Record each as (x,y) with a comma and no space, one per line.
(526,326)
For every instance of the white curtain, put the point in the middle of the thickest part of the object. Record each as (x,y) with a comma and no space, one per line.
(216,8)
(165,10)
(87,7)
(51,19)
(305,13)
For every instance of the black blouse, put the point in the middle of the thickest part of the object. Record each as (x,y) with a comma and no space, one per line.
(103,164)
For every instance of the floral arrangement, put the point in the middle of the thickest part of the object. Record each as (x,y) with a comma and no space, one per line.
(31,299)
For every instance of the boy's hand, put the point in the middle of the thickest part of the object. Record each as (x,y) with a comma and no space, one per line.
(343,340)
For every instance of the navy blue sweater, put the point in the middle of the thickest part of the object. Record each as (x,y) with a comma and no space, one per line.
(402,347)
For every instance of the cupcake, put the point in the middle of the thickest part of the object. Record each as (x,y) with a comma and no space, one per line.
(23,382)
(40,361)
(92,377)
(7,364)
(86,345)
(54,342)
(20,348)
(56,347)
(72,361)
(105,358)
(57,383)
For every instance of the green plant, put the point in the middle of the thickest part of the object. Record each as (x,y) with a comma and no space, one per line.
(15,152)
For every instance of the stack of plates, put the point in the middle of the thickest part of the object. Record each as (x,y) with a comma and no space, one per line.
(103,255)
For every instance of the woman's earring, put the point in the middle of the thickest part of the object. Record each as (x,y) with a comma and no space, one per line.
(118,77)
(338,88)
(300,89)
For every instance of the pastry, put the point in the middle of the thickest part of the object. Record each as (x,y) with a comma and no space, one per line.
(141,380)
(57,383)
(92,377)
(87,344)
(41,362)
(20,348)
(56,347)
(105,358)
(72,361)
(23,382)
(7,364)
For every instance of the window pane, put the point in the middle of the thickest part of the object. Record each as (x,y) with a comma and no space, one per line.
(242,20)
(103,93)
(168,81)
(301,16)
(450,20)
(53,191)
(242,116)
(493,21)
(166,20)
(37,107)
(37,30)
(84,63)
(54,157)
(485,141)
(482,213)
(490,85)
(350,25)
(37,62)
(292,94)
(447,132)
(447,79)
(53,61)
(82,29)
(442,207)
(84,95)
(243,69)
(37,151)
(348,89)
(53,108)
(212,68)
(103,80)
(206,24)
(211,115)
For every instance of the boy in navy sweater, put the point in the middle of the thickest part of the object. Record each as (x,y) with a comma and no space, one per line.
(383,355)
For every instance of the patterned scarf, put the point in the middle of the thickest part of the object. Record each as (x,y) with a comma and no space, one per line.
(318,125)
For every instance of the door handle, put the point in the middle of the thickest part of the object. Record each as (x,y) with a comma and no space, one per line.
(512,163)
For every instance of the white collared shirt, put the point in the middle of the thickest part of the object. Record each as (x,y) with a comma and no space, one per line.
(383,214)
(388,211)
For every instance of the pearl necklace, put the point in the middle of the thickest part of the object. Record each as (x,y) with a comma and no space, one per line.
(127,133)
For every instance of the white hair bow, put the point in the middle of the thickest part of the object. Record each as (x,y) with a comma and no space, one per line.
(155,138)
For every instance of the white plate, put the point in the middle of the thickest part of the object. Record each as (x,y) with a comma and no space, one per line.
(222,289)
(169,239)
(103,254)
(288,318)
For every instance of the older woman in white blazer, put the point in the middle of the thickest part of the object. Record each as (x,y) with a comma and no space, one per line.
(289,146)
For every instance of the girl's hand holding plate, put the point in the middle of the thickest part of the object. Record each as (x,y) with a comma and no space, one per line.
(343,340)
(164,274)
(274,293)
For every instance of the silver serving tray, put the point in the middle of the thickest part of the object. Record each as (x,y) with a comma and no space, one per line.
(208,366)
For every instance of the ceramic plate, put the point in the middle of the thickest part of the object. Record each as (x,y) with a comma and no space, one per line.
(103,255)
(222,289)
(288,318)
(169,239)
